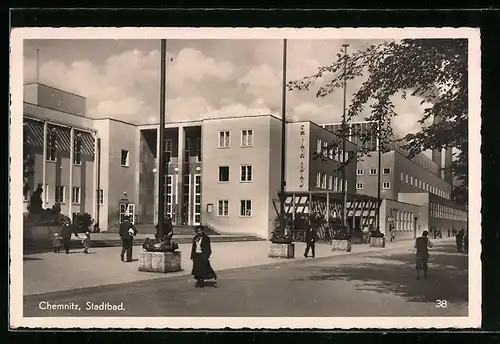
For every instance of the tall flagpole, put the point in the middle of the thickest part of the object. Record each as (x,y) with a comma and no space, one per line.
(283,144)
(344,132)
(161,157)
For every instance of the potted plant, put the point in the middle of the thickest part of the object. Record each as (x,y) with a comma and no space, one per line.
(377,238)
(282,245)
(341,240)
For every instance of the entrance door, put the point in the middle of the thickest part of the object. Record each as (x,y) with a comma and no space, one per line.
(131,213)
(197,200)
(127,210)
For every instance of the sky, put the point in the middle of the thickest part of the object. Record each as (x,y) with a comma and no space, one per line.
(205,78)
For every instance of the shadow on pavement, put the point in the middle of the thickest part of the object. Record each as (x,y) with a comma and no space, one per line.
(395,274)
(30,258)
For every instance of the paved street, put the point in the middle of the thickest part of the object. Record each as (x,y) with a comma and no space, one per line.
(372,282)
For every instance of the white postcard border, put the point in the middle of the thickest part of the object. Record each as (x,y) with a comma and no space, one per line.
(473,320)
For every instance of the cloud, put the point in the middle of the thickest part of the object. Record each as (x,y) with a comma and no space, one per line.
(205,79)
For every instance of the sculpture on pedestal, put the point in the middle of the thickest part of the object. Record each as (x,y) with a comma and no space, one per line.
(35,205)
(163,239)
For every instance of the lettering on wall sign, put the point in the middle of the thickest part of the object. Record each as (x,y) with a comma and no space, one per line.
(302,155)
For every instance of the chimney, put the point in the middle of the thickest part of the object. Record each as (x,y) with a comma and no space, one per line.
(448,158)
(436,154)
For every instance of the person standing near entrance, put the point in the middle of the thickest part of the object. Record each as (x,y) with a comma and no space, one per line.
(310,242)
(127,233)
(422,244)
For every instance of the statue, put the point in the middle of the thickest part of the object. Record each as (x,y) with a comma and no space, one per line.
(163,240)
(35,206)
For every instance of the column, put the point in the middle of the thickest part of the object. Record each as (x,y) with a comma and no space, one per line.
(95,198)
(44,164)
(71,156)
(180,172)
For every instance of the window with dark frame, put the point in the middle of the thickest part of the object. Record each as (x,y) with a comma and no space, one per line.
(223,208)
(60,194)
(224,174)
(246,208)
(224,139)
(387,171)
(247,138)
(76,195)
(124,160)
(246,173)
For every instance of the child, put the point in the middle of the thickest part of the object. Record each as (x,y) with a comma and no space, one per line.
(86,243)
(57,243)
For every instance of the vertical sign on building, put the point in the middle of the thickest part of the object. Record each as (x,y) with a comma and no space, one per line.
(302,155)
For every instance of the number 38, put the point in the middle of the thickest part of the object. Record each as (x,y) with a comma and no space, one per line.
(441,303)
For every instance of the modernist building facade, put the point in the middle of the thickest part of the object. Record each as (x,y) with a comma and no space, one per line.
(222,172)
(420,181)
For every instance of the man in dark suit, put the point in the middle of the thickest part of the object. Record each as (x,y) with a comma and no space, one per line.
(310,242)
(127,233)
(66,231)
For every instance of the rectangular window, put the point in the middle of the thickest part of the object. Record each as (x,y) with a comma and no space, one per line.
(318,179)
(330,183)
(386,185)
(198,149)
(76,195)
(77,150)
(60,194)
(323,182)
(406,179)
(402,176)
(360,172)
(247,138)
(411,181)
(224,139)
(52,145)
(100,197)
(359,186)
(168,150)
(223,208)
(124,158)
(246,173)
(373,172)
(420,184)
(246,208)
(224,174)
(319,146)
(387,171)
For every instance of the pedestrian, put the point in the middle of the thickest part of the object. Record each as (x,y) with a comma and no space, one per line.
(465,243)
(310,242)
(67,230)
(57,243)
(127,233)
(459,240)
(200,255)
(422,244)
(393,233)
(86,243)
(449,232)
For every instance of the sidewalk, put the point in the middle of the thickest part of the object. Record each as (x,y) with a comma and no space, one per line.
(50,272)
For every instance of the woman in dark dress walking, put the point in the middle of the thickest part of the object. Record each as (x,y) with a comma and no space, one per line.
(200,255)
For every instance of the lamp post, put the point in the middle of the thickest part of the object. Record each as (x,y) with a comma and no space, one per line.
(283,144)
(344,129)
(161,158)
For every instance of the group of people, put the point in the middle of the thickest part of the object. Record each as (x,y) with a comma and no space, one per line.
(462,241)
(201,248)
(63,239)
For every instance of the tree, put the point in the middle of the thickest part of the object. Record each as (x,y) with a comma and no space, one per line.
(28,159)
(433,69)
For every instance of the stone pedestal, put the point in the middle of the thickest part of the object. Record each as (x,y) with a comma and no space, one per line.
(343,245)
(377,242)
(159,261)
(282,251)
